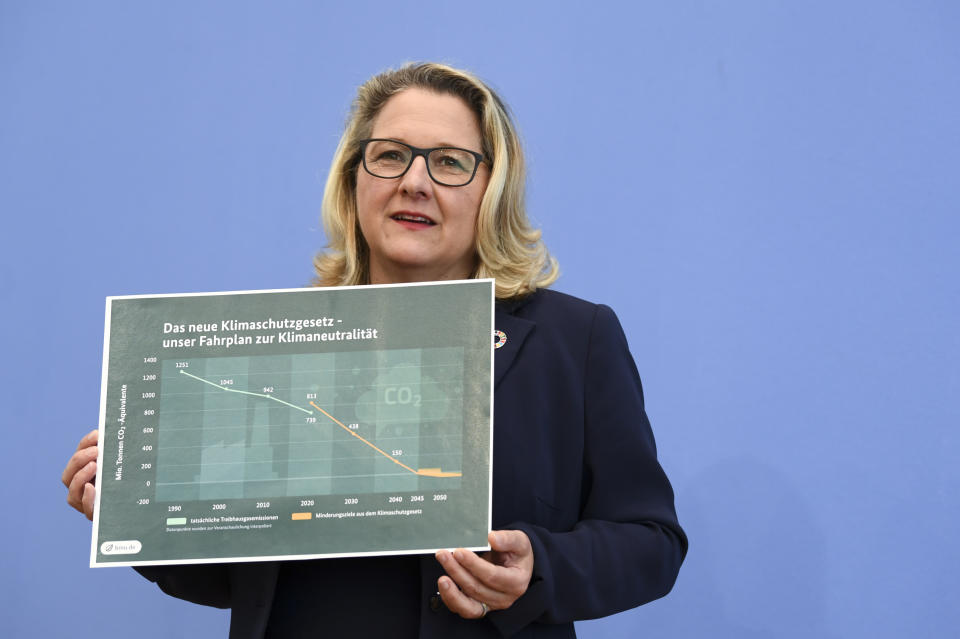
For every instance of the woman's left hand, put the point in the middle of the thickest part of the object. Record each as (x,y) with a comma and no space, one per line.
(492,581)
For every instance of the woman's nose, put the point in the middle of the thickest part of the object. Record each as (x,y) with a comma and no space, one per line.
(416,181)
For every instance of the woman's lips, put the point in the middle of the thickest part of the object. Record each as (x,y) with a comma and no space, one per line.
(412,220)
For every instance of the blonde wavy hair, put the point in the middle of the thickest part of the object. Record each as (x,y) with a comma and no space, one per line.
(508,248)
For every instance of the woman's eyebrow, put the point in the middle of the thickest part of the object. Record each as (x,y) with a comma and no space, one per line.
(438,145)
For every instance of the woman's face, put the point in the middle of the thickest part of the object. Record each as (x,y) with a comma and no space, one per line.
(418,230)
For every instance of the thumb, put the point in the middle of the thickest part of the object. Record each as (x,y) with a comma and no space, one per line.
(508,541)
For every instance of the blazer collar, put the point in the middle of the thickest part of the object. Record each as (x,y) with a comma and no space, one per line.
(516,329)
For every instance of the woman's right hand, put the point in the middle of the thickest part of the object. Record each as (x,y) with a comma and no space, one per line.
(80,473)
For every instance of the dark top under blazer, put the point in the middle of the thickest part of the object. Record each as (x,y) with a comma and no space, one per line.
(575,468)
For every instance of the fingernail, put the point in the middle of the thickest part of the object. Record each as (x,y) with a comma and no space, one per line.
(494,538)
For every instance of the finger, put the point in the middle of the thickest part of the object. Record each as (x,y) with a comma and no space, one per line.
(458,567)
(506,582)
(90,439)
(511,549)
(458,602)
(79,459)
(510,541)
(83,476)
(76,490)
(89,499)
(86,450)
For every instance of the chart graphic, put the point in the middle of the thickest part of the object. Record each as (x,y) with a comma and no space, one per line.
(290,424)
(312,424)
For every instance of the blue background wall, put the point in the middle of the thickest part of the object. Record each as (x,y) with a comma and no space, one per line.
(766,192)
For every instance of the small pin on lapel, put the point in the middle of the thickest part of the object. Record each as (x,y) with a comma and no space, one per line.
(499,339)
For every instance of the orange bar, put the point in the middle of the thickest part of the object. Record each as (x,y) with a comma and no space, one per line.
(436,472)
(300,516)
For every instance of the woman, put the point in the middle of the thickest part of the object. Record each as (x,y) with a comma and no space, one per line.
(427,184)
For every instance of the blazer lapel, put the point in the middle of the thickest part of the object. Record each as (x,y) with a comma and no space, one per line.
(516,331)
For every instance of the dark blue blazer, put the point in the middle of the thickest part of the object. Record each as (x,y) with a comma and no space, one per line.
(575,468)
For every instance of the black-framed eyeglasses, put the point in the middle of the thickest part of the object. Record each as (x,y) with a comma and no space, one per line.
(446,165)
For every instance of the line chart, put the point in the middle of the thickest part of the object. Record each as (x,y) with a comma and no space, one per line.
(233,390)
(423,472)
(229,426)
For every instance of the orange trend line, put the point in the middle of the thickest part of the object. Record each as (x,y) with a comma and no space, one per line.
(427,472)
